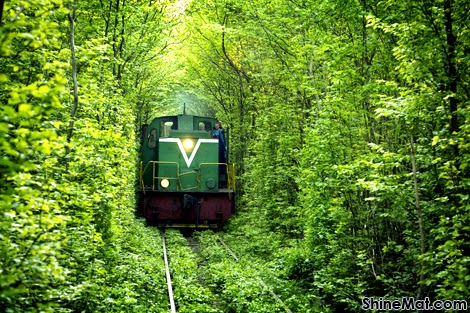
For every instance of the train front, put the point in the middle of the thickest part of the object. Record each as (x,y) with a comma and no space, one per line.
(185,179)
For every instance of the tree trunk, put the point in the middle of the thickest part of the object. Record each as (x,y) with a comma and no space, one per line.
(419,213)
(71,16)
(451,69)
(2,2)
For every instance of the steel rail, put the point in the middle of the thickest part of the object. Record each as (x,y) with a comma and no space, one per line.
(275,296)
(168,277)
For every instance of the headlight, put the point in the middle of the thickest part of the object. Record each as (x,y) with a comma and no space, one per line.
(188,144)
(165,183)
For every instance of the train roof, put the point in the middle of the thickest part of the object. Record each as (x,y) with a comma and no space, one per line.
(177,115)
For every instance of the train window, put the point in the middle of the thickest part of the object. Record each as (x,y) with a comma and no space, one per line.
(152,142)
(205,125)
(165,128)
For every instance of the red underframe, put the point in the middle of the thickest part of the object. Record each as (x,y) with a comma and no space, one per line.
(168,207)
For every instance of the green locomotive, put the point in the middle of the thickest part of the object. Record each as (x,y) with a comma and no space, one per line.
(185,177)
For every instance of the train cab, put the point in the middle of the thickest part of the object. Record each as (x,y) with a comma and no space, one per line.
(185,177)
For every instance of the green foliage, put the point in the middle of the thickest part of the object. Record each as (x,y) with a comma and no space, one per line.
(331,103)
(190,294)
(69,241)
(130,275)
(282,266)
(350,130)
(32,222)
(237,285)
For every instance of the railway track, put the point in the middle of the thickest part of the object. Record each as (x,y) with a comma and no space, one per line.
(177,252)
(168,277)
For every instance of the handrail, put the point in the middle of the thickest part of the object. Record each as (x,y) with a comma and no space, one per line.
(229,169)
(231,178)
(230,174)
(157,177)
(141,178)
(188,173)
(213,163)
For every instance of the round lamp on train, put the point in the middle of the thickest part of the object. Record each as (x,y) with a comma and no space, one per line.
(188,144)
(165,183)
